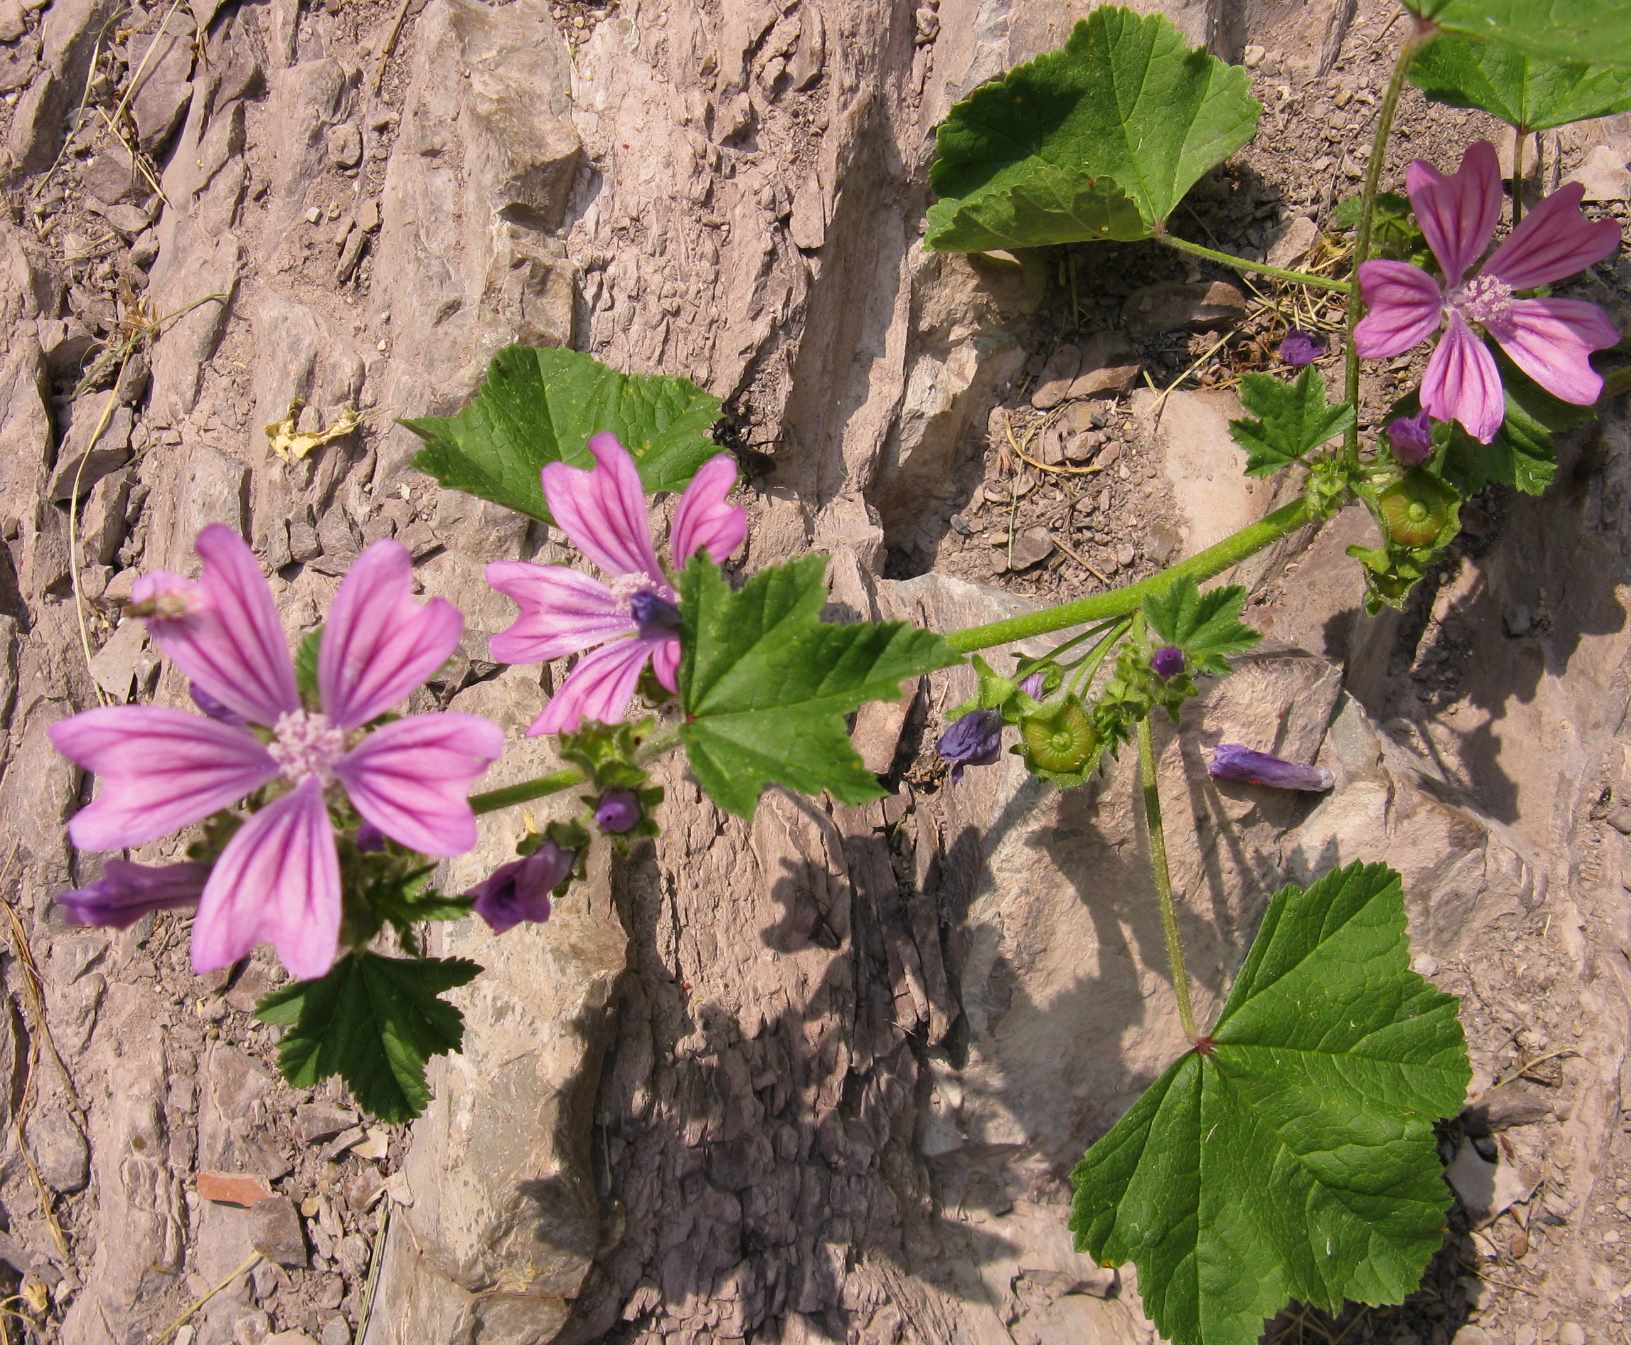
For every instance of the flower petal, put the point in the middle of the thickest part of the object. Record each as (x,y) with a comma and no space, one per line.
(1554,240)
(277,882)
(158,770)
(1458,213)
(1551,340)
(599,688)
(232,644)
(665,662)
(1404,304)
(604,510)
(703,520)
(562,611)
(411,778)
(1462,383)
(380,645)
(1233,761)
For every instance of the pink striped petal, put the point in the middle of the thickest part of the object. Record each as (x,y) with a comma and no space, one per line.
(277,882)
(599,688)
(665,662)
(232,644)
(703,519)
(411,778)
(1462,383)
(158,770)
(562,611)
(604,511)
(1458,213)
(380,645)
(1404,303)
(1554,240)
(1551,340)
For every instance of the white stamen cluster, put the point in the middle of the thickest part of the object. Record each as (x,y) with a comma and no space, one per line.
(306,745)
(1484,300)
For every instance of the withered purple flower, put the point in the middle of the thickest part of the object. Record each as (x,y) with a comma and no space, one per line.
(973,740)
(1412,438)
(1232,761)
(618,811)
(126,892)
(519,891)
(1168,661)
(1301,348)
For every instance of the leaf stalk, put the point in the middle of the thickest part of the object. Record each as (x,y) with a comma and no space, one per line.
(1258,268)
(543,786)
(1163,880)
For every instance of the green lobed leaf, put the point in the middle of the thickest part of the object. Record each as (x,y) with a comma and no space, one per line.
(305,666)
(1291,419)
(765,683)
(1206,626)
(1590,32)
(1394,235)
(1523,90)
(1523,454)
(375,1021)
(1097,141)
(1293,1156)
(541,405)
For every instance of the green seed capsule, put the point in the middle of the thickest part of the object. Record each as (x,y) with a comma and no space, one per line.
(1061,738)
(1417,509)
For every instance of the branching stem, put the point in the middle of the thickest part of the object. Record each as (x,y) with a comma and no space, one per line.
(555,782)
(1259,268)
(1163,880)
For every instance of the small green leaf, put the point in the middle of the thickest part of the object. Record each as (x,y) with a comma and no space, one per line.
(539,406)
(1206,626)
(1525,91)
(375,1021)
(1394,233)
(1587,32)
(1523,454)
(1291,1155)
(766,684)
(1098,141)
(305,666)
(1291,419)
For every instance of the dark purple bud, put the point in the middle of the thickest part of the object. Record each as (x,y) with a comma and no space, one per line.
(1300,347)
(973,740)
(1231,761)
(213,708)
(1168,662)
(126,892)
(1412,438)
(520,890)
(370,839)
(654,614)
(1032,685)
(618,811)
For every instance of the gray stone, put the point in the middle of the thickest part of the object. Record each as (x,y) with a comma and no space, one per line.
(344,145)
(59,1147)
(1030,547)
(276,1234)
(1053,385)
(1603,173)
(127,661)
(1109,365)
(80,463)
(1293,243)
(111,177)
(166,87)
(317,1121)
(12,23)
(1173,306)
(336,1332)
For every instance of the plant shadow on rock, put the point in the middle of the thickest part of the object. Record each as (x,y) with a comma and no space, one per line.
(1501,635)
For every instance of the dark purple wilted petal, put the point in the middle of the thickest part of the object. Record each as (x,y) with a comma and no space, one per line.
(126,892)
(1231,761)
(1032,685)
(225,714)
(370,839)
(654,614)
(1168,662)
(973,740)
(1300,347)
(618,812)
(520,890)
(1412,438)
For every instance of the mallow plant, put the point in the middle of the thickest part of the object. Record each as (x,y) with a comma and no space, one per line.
(1289,1152)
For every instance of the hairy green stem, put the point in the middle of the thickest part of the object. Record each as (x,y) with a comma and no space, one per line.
(1518,134)
(1362,238)
(1122,602)
(1259,268)
(543,786)
(1163,880)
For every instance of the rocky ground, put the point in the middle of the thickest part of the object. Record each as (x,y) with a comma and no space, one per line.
(823,1077)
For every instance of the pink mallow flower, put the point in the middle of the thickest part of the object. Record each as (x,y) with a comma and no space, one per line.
(1551,340)
(278,880)
(634,617)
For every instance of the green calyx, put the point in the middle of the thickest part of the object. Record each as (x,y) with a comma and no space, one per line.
(1420,510)
(1060,740)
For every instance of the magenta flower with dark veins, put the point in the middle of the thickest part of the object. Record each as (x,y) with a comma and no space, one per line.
(1412,438)
(158,770)
(1301,348)
(126,892)
(1551,340)
(1231,761)
(618,811)
(634,618)
(520,890)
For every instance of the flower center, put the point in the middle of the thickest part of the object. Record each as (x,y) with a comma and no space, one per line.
(1484,300)
(305,745)
(650,606)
